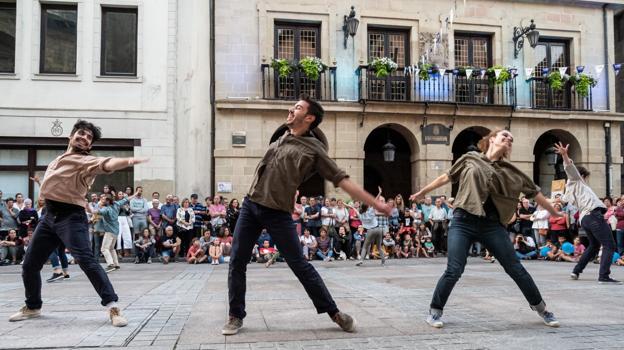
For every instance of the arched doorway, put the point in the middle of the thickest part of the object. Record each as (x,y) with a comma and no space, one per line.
(315,185)
(544,169)
(394,177)
(467,140)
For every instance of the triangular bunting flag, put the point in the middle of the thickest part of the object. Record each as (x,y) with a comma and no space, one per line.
(497,72)
(442,71)
(482,73)
(598,69)
(617,67)
(468,73)
(416,71)
(563,70)
(528,72)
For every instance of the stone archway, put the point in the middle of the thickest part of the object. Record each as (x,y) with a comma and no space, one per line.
(315,185)
(394,177)
(467,140)
(543,172)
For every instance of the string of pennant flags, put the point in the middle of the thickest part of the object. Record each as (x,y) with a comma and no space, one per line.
(529,71)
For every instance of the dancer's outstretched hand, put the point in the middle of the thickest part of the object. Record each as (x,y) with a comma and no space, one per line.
(135,161)
(561,149)
(417,196)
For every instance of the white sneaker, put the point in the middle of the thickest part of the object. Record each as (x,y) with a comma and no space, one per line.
(24,314)
(435,321)
(116,317)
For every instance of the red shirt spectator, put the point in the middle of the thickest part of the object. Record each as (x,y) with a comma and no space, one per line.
(557,224)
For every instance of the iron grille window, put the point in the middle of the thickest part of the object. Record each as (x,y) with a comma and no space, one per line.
(473,50)
(551,54)
(7,37)
(58,39)
(395,45)
(294,41)
(119,41)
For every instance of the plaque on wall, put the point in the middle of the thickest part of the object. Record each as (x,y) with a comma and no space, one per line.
(436,134)
(239,139)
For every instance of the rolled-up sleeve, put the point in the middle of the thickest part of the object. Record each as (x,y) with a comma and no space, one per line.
(329,170)
(454,173)
(529,188)
(95,165)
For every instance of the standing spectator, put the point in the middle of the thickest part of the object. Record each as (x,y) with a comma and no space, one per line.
(438,217)
(93,217)
(109,213)
(610,217)
(124,240)
(168,212)
(308,244)
(138,209)
(171,246)
(312,217)
(325,246)
(354,218)
(540,224)
(217,214)
(19,202)
(524,216)
(558,225)
(201,215)
(426,210)
(11,248)
(156,196)
(619,229)
(195,254)
(8,216)
(374,232)
(144,248)
(328,217)
(185,219)
(128,191)
(27,218)
(154,220)
(297,215)
(233,210)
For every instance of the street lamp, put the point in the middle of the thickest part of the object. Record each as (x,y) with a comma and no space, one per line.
(551,156)
(388,151)
(350,25)
(520,32)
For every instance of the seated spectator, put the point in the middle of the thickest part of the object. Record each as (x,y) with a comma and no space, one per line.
(11,248)
(264,236)
(419,246)
(215,252)
(205,240)
(568,251)
(226,242)
(171,245)
(579,249)
(525,247)
(388,244)
(489,257)
(406,248)
(423,230)
(620,261)
(552,253)
(429,247)
(358,239)
(325,246)
(144,248)
(342,244)
(308,244)
(267,254)
(195,254)
(27,218)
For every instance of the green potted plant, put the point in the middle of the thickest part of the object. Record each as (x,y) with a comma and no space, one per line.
(383,66)
(582,83)
(283,66)
(312,67)
(502,77)
(427,70)
(555,80)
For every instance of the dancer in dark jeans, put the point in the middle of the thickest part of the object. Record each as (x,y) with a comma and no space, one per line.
(489,188)
(287,163)
(591,217)
(64,189)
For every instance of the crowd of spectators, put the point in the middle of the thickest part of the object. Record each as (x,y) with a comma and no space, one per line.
(200,231)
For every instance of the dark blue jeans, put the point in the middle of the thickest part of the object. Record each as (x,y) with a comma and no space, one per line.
(598,233)
(252,219)
(72,230)
(468,228)
(58,258)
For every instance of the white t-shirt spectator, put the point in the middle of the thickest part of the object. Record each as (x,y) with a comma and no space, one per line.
(307,241)
(438,214)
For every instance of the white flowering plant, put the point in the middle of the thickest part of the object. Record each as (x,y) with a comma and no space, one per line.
(383,66)
(312,67)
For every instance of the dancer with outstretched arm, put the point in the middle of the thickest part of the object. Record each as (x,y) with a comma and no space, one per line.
(64,188)
(591,217)
(489,188)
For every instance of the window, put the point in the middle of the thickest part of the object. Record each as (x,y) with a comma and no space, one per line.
(119,41)
(294,41)
(58,39)
(395,45)
(7,37)
(473,50)
(550,54)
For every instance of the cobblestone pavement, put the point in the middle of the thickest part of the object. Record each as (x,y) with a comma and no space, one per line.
(183,307)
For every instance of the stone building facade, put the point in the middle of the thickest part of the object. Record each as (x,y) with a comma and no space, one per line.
(363,113)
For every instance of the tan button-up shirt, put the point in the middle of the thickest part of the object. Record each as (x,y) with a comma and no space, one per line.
(288,162)
(480,178)
(69,177)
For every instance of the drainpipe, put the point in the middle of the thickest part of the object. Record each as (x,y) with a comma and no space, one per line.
(607,125)
(212,98)
(606,52)
(607,130)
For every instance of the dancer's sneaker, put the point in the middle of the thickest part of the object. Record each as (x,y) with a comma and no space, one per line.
(346,322)
(55,277)
(232,326)
(609,280)
(549,319)
(435,320)
(574,276)
(149,260)
(66,276)
(117,319)
(359,263)
(24,314)
(109,268)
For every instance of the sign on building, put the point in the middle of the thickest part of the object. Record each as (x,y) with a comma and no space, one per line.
(436,134)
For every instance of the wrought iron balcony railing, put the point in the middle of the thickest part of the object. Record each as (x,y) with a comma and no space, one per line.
(295,84)
(545,97)
(446,88)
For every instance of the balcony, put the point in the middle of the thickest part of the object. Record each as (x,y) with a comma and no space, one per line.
(291,87)
(448,88)
(567,99)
